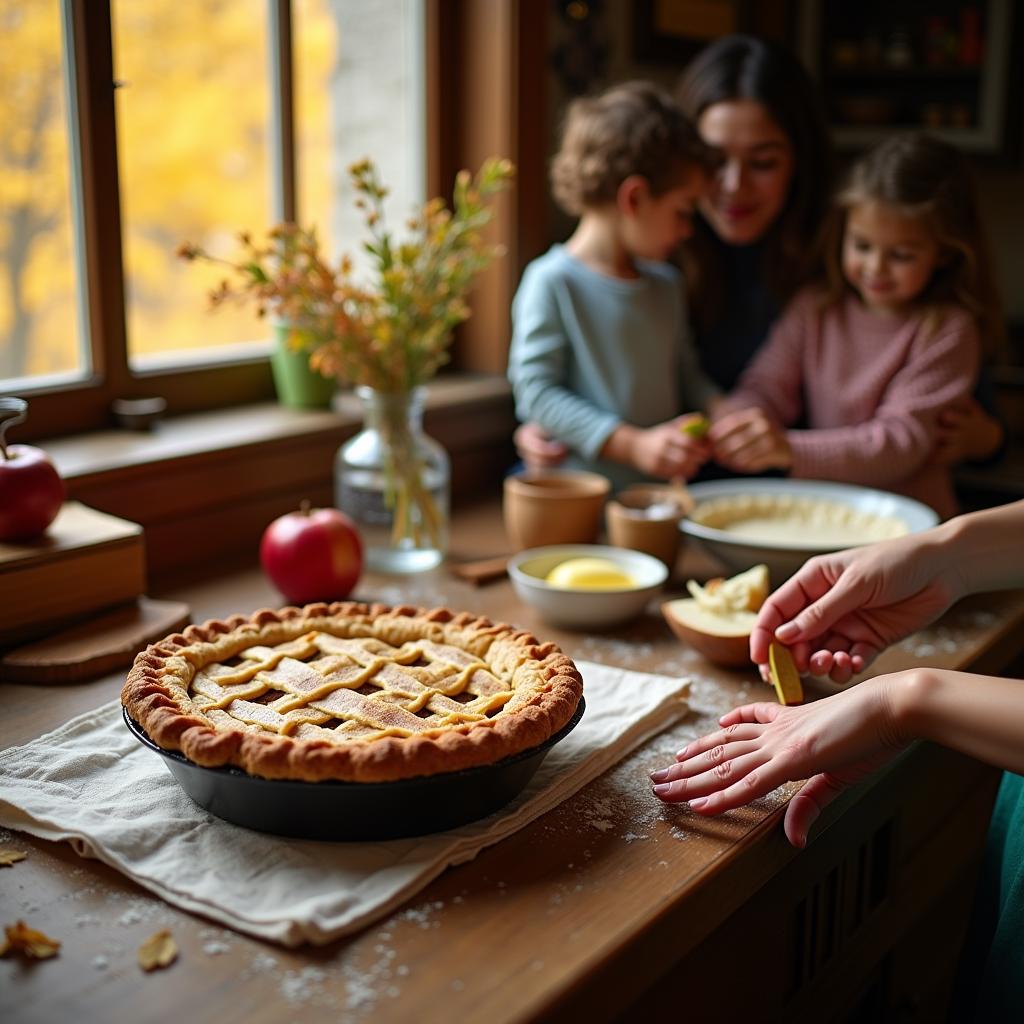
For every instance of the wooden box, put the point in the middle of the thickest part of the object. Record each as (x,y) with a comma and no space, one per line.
(85,562)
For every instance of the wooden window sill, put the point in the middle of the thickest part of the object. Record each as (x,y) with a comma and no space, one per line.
(204,486)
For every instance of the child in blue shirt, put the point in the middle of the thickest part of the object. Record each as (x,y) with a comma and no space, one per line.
(601,354)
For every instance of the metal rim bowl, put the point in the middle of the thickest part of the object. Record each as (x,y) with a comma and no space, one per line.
(784,558)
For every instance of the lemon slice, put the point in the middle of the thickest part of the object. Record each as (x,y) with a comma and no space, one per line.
(784,675)
(589,574)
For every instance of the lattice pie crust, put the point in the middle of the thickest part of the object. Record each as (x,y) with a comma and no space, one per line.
(355,692)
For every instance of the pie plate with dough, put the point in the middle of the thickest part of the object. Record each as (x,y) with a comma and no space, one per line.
(784,522)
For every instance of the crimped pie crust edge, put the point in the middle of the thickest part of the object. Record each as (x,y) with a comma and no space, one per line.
(547,693)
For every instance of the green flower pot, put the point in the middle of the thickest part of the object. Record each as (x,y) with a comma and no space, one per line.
(296,384)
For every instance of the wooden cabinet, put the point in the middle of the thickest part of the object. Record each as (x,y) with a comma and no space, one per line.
(944,66)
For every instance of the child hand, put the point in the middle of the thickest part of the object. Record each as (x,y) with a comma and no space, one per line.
(834,742)
(536,449)
(966,432)
(667,451)
(748,440)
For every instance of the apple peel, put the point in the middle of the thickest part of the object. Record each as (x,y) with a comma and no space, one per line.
(696,425)
(783,675)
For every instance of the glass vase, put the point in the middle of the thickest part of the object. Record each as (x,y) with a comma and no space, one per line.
(394,481)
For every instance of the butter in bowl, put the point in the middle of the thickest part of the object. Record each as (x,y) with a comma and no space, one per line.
(586,586)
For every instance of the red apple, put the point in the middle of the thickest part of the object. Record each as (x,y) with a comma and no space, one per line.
(31,492)
(312,555)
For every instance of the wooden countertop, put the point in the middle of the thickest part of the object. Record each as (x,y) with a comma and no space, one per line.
(583,911)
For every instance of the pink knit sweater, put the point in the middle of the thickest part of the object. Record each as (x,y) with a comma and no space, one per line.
(869,388)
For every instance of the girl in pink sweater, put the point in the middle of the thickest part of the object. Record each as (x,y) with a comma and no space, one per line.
(869,358)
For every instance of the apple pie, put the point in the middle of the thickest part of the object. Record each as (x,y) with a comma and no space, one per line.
(352,692)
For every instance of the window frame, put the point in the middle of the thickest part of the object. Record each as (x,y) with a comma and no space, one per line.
(478,53)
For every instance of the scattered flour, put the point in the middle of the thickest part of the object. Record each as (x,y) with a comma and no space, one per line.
(422,915)
(948,636)
(261,963)
(302,986)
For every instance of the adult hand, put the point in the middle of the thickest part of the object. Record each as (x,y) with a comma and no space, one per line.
(536,449)
(749,441)
(834,743)
(666,451)
(966,432)
(840,610)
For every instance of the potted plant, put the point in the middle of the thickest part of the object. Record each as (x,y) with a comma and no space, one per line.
(386,336)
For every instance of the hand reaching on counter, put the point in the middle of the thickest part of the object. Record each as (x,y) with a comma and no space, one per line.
(834,742)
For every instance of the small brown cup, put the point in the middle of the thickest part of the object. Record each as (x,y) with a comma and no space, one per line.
(553,507)
(646,518)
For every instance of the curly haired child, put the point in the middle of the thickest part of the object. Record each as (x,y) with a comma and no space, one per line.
(601,355)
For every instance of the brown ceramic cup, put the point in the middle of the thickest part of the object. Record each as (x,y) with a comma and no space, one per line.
(553,507)
(646,518)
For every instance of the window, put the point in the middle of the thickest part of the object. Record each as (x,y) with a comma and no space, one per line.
(195,153)
(358,93)
(40,325)
(131,127)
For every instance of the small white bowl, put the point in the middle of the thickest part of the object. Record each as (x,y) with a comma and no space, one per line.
(585,609)
(784,558)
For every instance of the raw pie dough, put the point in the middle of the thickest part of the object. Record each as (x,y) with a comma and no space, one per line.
(780,519)
(355,692)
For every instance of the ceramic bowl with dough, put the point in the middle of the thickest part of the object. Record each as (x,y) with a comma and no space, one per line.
(784,522)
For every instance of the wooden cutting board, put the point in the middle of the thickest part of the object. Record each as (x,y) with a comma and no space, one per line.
(90,649)
(85,563)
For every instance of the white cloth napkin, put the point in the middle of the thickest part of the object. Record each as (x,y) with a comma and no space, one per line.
(92,783)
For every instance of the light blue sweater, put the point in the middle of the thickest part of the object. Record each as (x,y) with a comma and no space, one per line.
(590,352)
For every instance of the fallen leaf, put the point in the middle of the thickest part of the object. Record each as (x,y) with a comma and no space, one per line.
(9,857)
(158,950)
(28,941)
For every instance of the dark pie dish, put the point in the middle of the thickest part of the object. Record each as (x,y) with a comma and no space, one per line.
(352,720)
(356,811)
